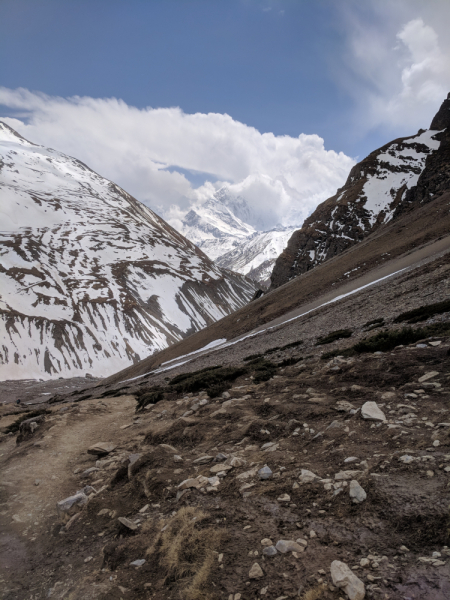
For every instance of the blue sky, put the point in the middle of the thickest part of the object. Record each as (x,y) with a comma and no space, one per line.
(332,69)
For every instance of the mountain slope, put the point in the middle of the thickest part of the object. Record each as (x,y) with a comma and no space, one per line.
(255,256)
(378,188)
(90,279)
(220,228)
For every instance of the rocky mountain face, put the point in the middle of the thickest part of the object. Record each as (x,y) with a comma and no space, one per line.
(395,178)
(90,279)
(220,227)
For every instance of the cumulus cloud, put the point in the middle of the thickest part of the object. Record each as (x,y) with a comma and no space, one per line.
(149,152)
(397,63)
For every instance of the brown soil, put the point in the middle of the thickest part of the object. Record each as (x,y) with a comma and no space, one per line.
(406,505)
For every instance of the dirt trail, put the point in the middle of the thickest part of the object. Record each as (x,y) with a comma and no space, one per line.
(37,474)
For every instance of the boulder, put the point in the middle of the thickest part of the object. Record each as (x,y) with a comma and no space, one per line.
(371,412)
(344,578)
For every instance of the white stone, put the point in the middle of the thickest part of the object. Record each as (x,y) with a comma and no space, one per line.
(427,376)
(371,411)
(307,476)
(344,578)
(357,493)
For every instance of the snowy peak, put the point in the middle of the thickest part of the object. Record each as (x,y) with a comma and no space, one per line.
(91,280)
(220,228)
(389,181)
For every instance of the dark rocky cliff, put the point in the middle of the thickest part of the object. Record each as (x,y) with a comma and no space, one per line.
(391,180)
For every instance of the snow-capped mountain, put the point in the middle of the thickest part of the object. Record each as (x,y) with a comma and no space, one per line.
(378,188)
(255,256)
(220,228)
(91,280)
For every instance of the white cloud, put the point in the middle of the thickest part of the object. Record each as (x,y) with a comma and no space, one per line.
(280,176)
(397,63)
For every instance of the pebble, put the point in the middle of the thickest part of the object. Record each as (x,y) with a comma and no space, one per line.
(127,523)
(265,473)
(284,498)
(284,546)
(406,459)
(203,460)
(307,476)
(266,542)
(219,468)
(137,563)
(350,459)
(428,376)
(255,572)
(270,551)
(371,411)
(357,493)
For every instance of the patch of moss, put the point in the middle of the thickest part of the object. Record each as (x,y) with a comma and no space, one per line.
(148,396)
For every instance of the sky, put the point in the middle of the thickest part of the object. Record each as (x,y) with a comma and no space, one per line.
(174,99)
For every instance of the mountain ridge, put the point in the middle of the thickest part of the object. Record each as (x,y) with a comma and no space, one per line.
(91,279)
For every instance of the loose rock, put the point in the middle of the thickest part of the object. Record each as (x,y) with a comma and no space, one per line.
(357,493)
(370,411)
(344,578)
(255,572)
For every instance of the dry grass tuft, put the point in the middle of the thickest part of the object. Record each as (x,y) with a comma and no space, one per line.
(186,553)
(315,593)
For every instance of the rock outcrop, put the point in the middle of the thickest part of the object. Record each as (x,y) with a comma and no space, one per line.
(391,180)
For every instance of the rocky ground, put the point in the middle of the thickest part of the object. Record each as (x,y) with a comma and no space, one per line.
(329,480)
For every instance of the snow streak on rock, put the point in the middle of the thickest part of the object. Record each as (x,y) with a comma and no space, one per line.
(90,279)
(375,190)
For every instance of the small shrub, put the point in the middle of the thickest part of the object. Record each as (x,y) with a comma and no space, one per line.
(287,362)
(423,312)
(333,336)
(214,380)
(183,376)
(14,427)
(387,340)
(263,370)
(148,396)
